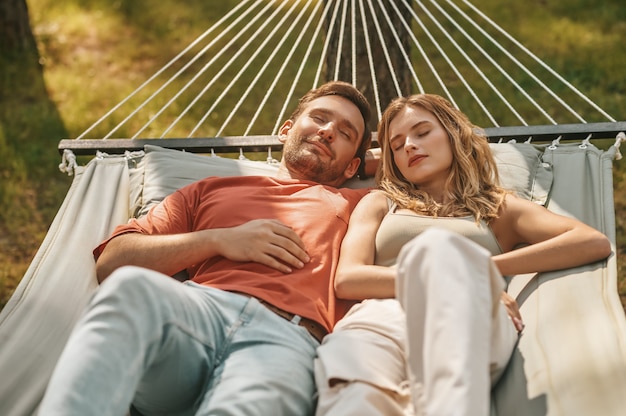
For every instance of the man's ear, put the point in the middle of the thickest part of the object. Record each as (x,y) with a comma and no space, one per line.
(284,129)
(352,168)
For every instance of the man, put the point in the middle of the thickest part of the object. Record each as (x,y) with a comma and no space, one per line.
(240,336)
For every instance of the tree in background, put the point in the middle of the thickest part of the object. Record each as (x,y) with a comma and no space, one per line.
(343,67)
(25,158)
(15,30)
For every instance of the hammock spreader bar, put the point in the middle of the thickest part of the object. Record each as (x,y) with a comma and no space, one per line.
(545,133)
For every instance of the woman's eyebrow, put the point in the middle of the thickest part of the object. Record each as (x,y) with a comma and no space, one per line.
(413,127)
(395,138)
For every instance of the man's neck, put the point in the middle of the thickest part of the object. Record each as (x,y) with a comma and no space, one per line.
(285,173)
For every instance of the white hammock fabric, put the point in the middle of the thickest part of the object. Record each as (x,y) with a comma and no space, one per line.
(36,321)
(571,359)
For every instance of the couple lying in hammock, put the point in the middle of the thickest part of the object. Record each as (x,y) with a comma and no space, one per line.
(270,309)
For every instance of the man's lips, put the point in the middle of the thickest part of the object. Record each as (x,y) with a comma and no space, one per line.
(321,146)
(414,160)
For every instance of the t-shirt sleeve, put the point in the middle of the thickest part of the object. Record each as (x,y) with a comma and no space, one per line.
(171,216)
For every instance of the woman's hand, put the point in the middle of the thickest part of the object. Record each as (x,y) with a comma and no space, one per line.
(513,310)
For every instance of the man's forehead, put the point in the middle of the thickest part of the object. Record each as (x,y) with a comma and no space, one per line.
(339,106)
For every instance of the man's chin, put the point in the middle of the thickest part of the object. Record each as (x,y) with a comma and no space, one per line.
(311,157)
(309,167)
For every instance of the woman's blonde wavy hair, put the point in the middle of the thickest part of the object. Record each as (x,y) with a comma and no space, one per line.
(472,187)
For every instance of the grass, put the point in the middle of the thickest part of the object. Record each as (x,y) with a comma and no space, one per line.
(93,53)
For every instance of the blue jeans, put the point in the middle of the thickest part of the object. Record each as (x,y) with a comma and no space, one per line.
(180,349)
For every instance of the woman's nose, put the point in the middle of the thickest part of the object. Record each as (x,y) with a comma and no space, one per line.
(409,143)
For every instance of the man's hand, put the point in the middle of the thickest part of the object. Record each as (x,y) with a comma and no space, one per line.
(267,242)
(513,310)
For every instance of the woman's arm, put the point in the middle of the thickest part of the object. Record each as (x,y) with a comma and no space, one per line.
(552,241)
(357,277)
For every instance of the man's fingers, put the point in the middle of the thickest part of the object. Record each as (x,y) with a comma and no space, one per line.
(287,246)
(265,241)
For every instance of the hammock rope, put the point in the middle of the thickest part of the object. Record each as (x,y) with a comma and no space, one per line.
(388,60)
(484,53)
(541,63)
(298,75)
(265,65)
(403,51)
(208,65)
(341,36)
(271,89)
(233,59)
(498,66)
(621,137)
(370,61)
(160,72)
(454,67)
(437,43)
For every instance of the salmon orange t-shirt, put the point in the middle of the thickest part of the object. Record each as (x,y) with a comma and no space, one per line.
(319,214)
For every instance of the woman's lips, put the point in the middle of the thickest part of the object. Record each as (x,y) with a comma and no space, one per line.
(414,160)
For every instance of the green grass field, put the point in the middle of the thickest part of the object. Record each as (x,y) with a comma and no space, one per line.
(92,53)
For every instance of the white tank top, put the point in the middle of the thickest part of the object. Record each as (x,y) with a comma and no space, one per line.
(397,229)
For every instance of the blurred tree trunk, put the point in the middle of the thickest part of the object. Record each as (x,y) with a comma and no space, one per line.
(386,87)
(15,31)
(29,190)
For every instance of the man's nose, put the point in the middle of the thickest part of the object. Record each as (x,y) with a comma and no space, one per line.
(327,131)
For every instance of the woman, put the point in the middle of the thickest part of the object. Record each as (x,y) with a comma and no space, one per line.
(437,173)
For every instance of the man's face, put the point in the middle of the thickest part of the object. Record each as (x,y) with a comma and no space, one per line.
(321,144)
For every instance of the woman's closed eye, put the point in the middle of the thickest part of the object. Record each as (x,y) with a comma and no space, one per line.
(397,144)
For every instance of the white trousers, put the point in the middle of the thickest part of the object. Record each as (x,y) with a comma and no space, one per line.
(452,347)
(460,337)
(361,367)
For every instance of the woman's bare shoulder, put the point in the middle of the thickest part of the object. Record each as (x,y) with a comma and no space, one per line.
(374,202)
(514,204)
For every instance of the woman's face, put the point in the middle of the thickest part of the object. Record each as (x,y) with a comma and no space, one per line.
(421,148)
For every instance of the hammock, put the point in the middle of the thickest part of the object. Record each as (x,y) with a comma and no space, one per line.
(571,359)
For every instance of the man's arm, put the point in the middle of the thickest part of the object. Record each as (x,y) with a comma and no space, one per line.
(268,242)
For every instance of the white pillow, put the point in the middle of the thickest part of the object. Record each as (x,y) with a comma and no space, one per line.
(522,170)
(166,170)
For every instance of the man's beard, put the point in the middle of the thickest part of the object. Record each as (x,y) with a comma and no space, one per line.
(310,162)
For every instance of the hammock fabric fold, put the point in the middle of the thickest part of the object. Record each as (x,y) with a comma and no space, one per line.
(39,317)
